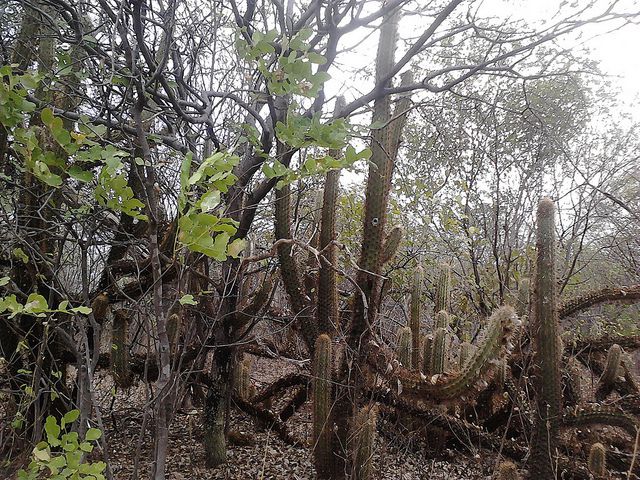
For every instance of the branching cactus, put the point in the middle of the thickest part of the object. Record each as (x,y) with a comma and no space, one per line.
(120,349)
(598,461)
(322,401)
(362,438)
(443,289)
(547,357)
(404,347)
(414,317)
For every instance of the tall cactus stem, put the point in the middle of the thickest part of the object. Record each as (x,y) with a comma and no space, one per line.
(322,423)
(391,244)
(414,316)
(363,437)
(547,357)
(614,357)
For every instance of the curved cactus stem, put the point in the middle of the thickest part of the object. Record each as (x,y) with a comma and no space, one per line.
(598,415)
(627,294)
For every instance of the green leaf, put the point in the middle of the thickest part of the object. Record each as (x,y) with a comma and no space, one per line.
(47,116)
(35,304)
(4,281)
(52,428)
(93,434)
(187,300)
(71,416)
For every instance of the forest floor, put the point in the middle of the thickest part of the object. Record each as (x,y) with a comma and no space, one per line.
(266,456)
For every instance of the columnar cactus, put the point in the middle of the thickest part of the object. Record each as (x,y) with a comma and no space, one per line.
(598,461)
(524,289)
(443,320)
(120,349)
(414,317)
(443,289)
(322,401)
(362,438)
(242,379)
(404,347)
(547,357)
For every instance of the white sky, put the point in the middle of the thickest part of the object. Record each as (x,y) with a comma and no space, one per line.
(616,51)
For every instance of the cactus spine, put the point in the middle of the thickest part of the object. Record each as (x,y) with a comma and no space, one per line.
(547,356)
(120,349)
(414,317)
(322,424)
(443,289)
(597,461)
(404,347)
(363,436)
